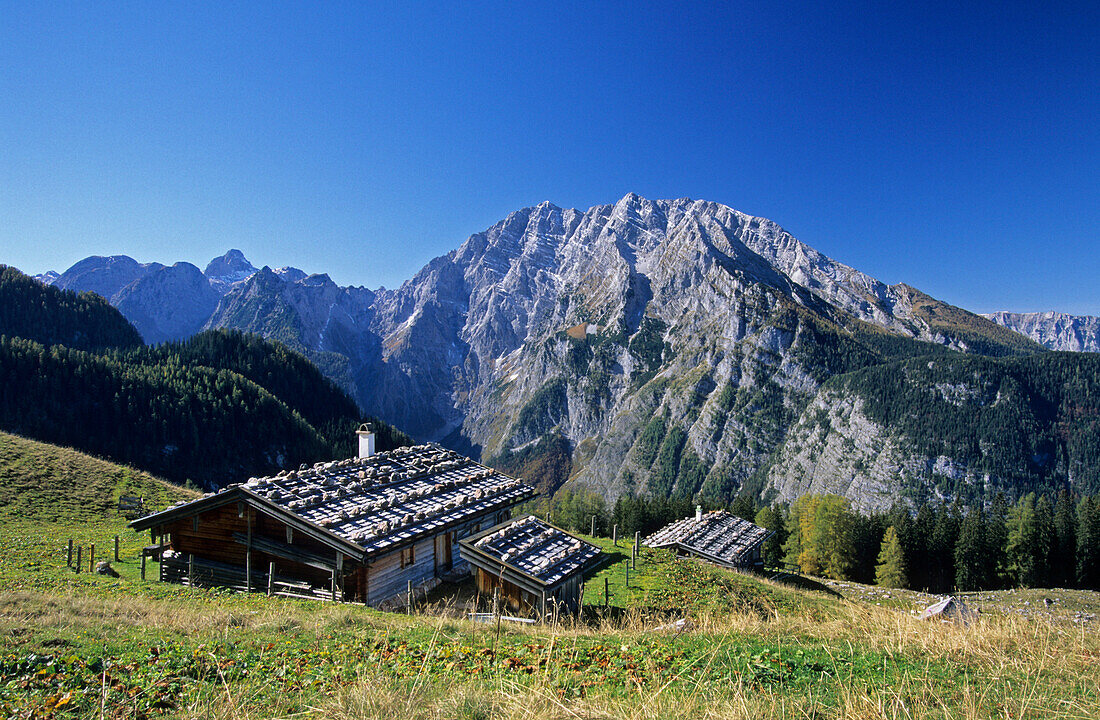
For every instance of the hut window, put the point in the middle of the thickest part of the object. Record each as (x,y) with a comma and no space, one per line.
(407,556)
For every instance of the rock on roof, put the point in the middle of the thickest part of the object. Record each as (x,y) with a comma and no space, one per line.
(390,497)
(717,535)
(537,549)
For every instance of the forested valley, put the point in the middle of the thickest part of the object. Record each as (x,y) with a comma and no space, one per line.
(216,408)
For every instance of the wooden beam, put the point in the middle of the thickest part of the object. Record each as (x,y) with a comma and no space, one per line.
(248,555)
(287,552)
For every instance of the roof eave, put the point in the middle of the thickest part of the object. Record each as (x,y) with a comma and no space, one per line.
(241,494)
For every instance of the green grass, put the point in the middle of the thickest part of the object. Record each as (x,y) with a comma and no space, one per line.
(82,645)
(660,584)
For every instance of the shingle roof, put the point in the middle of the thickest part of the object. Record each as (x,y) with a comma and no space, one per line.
(390,497)
(536,549)
(717,535)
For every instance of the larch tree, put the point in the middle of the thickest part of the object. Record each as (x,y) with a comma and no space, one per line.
(891,570)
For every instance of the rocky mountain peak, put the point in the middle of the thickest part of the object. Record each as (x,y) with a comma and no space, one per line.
(231,267)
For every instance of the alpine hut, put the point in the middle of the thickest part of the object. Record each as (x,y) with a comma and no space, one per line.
(718,537)
(368,529)
(536,566)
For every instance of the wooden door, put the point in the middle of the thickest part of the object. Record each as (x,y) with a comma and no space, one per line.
(442,553)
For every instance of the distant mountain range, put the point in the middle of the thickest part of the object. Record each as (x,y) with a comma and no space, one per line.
(671,347)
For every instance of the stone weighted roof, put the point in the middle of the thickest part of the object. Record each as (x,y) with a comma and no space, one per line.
(535,548)
(388,498)
(718,536)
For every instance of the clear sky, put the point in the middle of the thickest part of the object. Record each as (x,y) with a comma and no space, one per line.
(953,148)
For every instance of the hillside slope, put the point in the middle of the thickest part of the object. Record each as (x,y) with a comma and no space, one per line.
(42,483)
(83,321)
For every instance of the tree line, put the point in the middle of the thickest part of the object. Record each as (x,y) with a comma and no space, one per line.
(1034,542)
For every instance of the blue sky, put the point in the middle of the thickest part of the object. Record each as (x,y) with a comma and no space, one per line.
(955,150)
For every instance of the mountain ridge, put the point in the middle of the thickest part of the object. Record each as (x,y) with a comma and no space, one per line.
(663,347)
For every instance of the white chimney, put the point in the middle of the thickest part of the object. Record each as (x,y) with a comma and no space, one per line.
(366,440)
(698,512)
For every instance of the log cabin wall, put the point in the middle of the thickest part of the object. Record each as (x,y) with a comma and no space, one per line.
(210,536)
(386,578)
(512,596)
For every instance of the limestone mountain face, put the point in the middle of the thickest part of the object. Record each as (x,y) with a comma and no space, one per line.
(311,314)
(666,347)
(104,276)
(170,303)
(1054,330)
(224,272)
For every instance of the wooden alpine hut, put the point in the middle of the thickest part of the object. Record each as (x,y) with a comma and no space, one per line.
(719,537)
(369,529)
(536,566)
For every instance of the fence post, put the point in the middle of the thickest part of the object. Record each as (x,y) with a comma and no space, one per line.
(143,567)
(91,558)
(69,558)
(592,532)
(270,578)
(615,535)
(606,593)
(190,569)
(78,562)
(116,548)
(409,606)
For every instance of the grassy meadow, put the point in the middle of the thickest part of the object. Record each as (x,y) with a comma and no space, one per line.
(89,646)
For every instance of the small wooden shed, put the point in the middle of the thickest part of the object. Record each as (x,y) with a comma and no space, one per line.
(535,565)
(719,537)
(364,529)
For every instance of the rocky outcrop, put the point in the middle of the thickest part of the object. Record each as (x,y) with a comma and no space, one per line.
(1054,330)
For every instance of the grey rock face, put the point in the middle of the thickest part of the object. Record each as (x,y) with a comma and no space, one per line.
(1054,330)
(171,303)
(225,271)
(668,346)
(104,276)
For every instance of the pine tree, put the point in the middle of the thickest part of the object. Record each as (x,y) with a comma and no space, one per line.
(891,569)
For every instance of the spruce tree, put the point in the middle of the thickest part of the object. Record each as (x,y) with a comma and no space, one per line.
(891,569)
(1030,538)
(941,549)
(1088,542)
(1063,558)
(771,518)
(972,562)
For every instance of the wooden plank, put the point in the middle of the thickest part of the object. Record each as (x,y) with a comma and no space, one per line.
(248,556)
